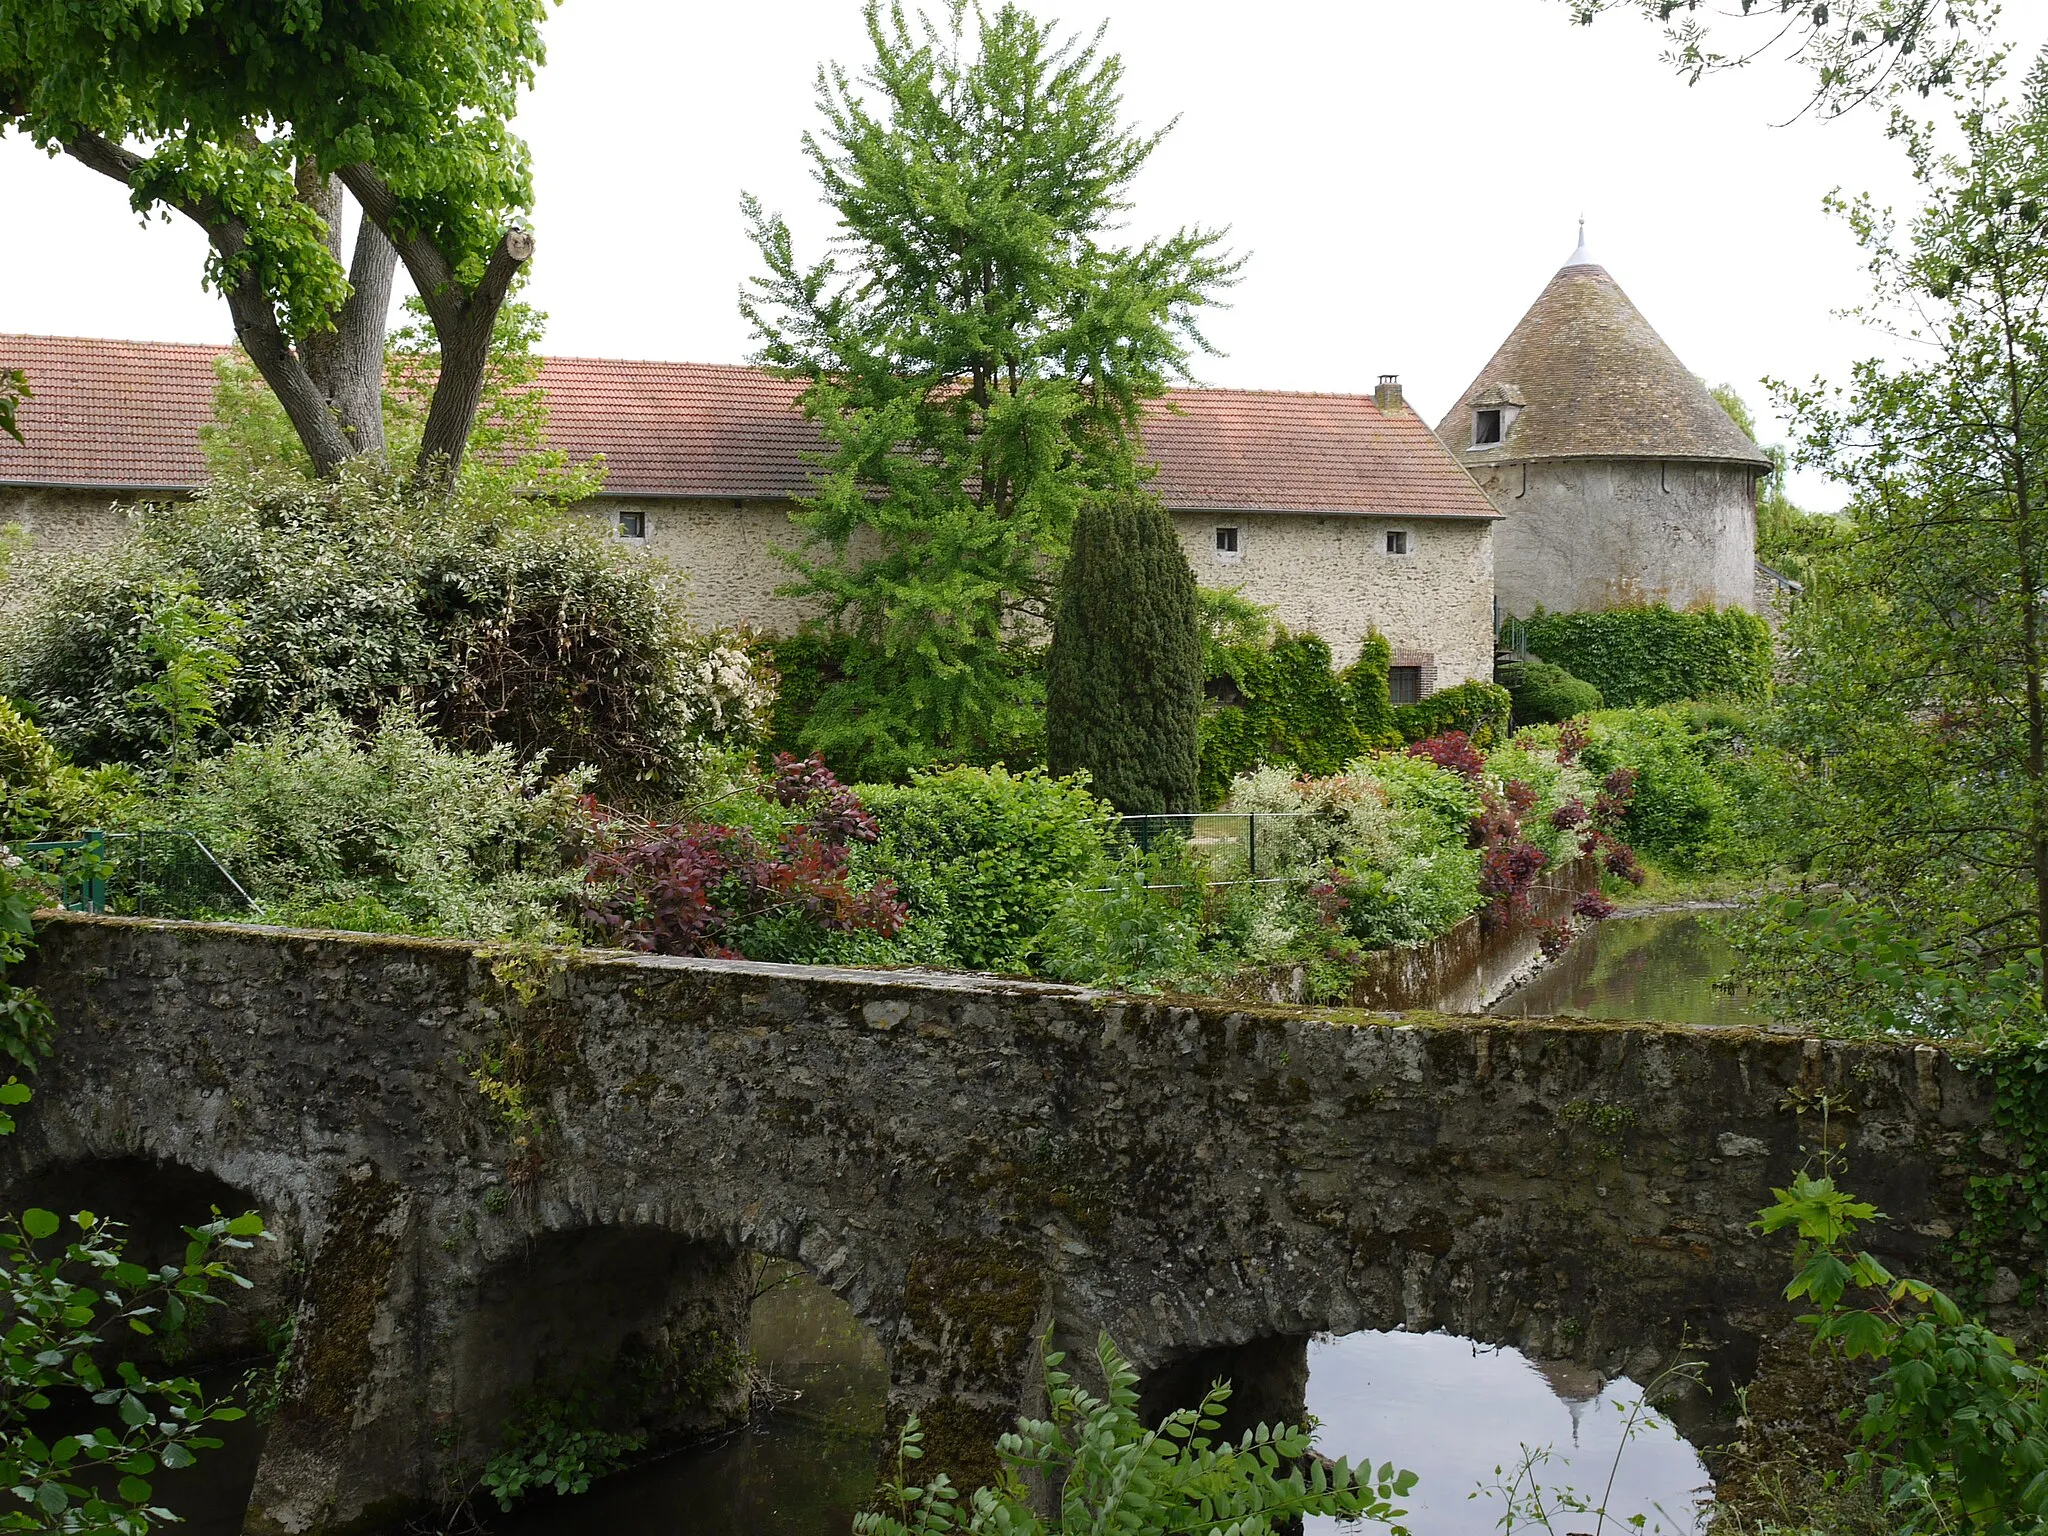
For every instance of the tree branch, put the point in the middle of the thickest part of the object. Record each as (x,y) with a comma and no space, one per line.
(254,314)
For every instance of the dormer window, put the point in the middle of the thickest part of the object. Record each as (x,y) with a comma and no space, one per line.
(1486,427)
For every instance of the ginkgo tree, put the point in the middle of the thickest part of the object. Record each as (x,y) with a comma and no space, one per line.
(258,123)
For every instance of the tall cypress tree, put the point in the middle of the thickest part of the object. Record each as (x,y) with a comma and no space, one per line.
(1124,678)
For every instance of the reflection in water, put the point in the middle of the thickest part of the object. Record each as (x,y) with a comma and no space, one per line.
(1440,1406)
(1663,966)
(1451,1412)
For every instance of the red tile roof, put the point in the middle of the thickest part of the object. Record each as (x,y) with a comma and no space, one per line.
(125,415)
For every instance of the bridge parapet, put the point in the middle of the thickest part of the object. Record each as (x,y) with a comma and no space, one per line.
(491,1166)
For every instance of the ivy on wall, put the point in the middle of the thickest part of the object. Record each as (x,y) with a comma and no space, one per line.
(1287,703)
(1654,655)
(2009,1208)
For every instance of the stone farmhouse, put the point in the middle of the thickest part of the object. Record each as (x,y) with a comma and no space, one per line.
(1585,468)
(1620,480)
(1343,513)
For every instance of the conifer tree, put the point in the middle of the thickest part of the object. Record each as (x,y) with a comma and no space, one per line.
(1124,678)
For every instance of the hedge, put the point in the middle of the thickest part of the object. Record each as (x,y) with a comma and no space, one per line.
(1481,710)
(1544,693)
(1654,655)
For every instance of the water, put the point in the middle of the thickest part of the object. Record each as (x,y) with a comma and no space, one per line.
(1452,1412)
(1663,967)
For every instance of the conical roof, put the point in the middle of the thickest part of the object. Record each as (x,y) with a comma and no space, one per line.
(1595,381)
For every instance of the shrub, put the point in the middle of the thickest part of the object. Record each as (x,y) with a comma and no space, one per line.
(1452,752)
(505,623)
(1123,679)
(1480,710)
(1654,655)
(708,888)
(1544,694)
(1135,927)
(1679,813)
(981,858)
(44,797)
(390,829)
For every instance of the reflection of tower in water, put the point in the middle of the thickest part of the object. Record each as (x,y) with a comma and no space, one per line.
(1576,1386)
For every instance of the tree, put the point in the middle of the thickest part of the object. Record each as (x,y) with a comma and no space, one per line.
(1789,539)
(251,122)
(977,366)
(1123,686)
(1857,50)
(13,390)
(1916,692)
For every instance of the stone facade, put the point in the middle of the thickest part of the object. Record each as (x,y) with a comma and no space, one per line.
(1586,534)
(1333,576)
(966,1161)
(63,520)
(1330,574)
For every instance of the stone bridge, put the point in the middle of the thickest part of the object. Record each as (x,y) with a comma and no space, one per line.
(491,1168)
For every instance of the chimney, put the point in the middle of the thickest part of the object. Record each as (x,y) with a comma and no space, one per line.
(1388,395)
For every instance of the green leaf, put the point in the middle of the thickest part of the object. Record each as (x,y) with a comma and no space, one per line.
(39,1223)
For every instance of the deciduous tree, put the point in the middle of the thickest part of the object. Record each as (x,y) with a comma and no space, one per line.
(1916,697)
(252,121)
(977,356)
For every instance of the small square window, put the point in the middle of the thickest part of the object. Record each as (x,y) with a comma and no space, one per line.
(1404,685)
(632,523)
(1397,541)
(1485,428)
(1228,549)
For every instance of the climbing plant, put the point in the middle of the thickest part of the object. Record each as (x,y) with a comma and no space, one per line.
(2010,1205)
(1654,655)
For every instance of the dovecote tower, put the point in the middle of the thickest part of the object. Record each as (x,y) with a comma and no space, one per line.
(1620,480)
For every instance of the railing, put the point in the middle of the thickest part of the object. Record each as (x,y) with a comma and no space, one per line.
(161,873)
(1214,836)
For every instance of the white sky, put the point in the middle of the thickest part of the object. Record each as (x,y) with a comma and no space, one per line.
(1405,174)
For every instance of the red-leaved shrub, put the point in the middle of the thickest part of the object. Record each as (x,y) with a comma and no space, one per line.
(694,888)
(1452,750)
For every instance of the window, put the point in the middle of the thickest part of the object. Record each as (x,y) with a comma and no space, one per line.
(632,523)
(1404,685)
(1227,549)
(1485,428)
(1397,541)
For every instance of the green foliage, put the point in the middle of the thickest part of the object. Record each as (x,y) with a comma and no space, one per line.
(555,1439)
(2011,1206)
(1654,655)
(13,391)
(1955,1429)
(1372,710)
(1113,1473)
(63,1298)
(976,359)
(1123,677)
(1915,699)
(1289,706)
(191,646)
(1790,541)
(982,858)
(1681,815)
(510,623)
(44,797)
(389,830)
(1544,694)
(26,1028)
(1481,710)
(1140,926)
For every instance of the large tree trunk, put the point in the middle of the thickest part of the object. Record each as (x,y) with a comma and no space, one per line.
(322,428)
(347,362)
(463,320)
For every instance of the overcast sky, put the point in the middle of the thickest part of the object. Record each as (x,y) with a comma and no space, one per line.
(1404,174)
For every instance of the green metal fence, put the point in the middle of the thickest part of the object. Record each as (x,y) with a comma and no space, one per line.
(163,872)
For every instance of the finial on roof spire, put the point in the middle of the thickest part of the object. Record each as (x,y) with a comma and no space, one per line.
(1582,257)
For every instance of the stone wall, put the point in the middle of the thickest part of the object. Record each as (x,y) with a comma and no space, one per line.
(65,521)
(1584,534)
(964,1160)
(1333,576)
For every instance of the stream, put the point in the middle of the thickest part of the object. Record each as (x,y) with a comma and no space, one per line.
(1663,966)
